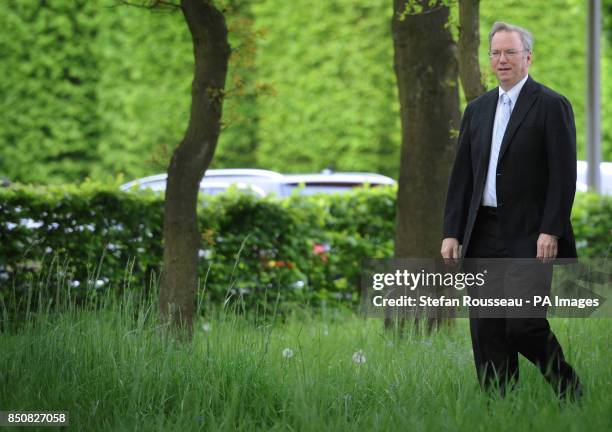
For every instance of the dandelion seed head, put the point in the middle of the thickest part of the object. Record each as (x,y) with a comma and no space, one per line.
(359,357)
(206,327)
(287,353)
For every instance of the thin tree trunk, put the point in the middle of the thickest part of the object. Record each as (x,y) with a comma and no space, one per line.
(426,70)
(189,161)
(469,41)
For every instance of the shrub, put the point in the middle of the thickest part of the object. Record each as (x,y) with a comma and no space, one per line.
(255,252)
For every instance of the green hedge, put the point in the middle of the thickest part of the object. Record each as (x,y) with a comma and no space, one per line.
(50,123)
(592,222)
(93,90)
(298,251)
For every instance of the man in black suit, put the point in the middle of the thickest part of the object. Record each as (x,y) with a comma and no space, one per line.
(510,195)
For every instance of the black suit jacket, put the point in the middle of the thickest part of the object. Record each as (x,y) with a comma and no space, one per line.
(536,171)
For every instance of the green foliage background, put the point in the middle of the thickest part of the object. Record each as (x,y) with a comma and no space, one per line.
(50,125)
(93,90)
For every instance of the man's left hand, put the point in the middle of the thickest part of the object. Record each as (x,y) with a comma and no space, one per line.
(547,247)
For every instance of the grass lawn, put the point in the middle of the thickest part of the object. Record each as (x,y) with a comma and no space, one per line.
(112,370)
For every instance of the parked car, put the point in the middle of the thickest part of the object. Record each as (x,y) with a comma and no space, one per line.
(331,182)
(215,181)
(264,182)
(605,172)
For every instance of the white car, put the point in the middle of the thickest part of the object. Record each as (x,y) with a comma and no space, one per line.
(605,172)
(331,182)
(264,182)
(215,181)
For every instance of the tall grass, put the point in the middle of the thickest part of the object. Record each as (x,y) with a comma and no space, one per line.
(112,368)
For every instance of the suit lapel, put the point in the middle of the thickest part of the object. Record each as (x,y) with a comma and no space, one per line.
(525,101)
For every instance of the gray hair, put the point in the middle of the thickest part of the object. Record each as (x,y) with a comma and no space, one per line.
(526,36)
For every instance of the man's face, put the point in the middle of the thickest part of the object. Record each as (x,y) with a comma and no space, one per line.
(510,61)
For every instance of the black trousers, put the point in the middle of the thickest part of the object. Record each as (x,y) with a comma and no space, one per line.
(496,342)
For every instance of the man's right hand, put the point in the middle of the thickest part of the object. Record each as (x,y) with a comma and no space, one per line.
(450,248)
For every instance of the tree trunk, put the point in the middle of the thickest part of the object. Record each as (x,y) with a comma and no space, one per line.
(426,70)
(179,281)
(469,40)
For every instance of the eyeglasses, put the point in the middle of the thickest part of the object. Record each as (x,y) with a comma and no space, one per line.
(510,54)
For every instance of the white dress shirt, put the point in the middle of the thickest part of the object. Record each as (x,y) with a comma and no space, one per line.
(489,196)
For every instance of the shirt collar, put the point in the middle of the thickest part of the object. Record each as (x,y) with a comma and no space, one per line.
(514,92)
